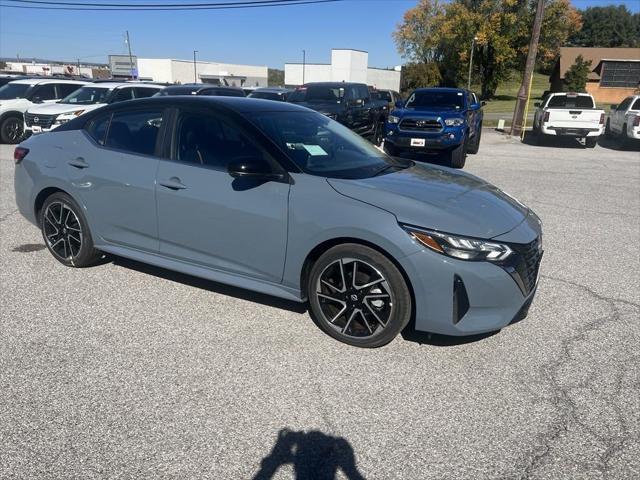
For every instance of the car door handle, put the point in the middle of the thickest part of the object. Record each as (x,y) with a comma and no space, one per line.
(173,183)
(78,162)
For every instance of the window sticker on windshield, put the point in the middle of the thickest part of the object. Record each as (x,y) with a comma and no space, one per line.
(314,150)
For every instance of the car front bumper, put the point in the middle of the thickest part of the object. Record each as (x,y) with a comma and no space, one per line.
(445,139)
(457,297)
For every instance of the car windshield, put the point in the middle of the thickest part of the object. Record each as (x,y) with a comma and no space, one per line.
(317,94)
(87,96)
(14,90)
(571,101)
(323,147)
(434,98)
(384,96)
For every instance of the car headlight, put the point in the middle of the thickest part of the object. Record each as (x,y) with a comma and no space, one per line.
(453,122)
(393,119)
(460,247)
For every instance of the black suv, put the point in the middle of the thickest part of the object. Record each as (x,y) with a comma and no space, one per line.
(347,103)
(202,89)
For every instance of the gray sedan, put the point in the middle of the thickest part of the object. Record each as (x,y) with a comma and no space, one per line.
(279,199)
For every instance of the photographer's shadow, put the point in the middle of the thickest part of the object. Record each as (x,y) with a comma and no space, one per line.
(313,456)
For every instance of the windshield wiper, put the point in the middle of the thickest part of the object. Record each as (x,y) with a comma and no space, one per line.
(391,165)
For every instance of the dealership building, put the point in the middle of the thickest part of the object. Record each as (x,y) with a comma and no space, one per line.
(346,65)
(186,71)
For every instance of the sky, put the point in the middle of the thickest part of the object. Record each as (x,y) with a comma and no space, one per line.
(258,36)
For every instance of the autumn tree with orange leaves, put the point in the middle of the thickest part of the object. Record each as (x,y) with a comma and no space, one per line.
(440,33)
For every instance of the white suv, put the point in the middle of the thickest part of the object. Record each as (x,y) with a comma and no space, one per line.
(43,118)
(624,119)
(17,96)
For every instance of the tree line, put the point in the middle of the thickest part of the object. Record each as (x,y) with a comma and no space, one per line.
(437,38)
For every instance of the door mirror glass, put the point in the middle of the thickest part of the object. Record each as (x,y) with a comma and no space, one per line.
(483,103)
(252,168)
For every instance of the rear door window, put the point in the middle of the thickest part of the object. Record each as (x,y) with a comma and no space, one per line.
(144,92)
(45,92)
(135,131)
(636,105)
(123,94)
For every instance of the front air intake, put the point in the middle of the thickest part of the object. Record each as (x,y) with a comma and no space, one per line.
(460,299)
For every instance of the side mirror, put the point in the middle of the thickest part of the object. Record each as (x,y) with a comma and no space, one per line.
(358,102)
(36,99)
(253,168)
(399,104)
(614,106)
(537,104)
(483,103)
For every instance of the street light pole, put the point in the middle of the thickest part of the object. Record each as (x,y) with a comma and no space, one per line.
(304,63)
(133,72)
(473,45)
(195,67)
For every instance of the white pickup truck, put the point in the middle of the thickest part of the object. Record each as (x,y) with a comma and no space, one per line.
(624,119)
(569,115)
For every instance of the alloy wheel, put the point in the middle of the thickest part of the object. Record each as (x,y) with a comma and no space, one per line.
(62,230)
(355,298)
(13,130)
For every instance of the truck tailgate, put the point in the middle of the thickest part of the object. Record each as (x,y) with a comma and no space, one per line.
(574,117)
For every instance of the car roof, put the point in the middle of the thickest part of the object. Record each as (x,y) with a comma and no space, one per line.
(272,89)
(37,81)
(440,89)
(237,104)
(196,87)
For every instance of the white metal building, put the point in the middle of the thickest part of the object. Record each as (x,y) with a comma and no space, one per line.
(346,65)
(183,71)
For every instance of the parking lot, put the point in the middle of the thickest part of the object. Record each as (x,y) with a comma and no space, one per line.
(129,371)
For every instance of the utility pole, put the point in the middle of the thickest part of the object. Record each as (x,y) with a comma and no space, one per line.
(78,67)
(130,57)
(473,46)
(517,123)
(304,63)
(195,67)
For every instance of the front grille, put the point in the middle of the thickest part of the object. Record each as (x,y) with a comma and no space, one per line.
(44,121)
(421,124)
(524,265)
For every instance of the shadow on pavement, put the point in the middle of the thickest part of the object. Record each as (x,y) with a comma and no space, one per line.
(313,455)
(210,285)
(436,340)
(550,141)
(613,143)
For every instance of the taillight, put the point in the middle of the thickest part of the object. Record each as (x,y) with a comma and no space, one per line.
(602,119)
(546,117)
(19,153)
(636,121)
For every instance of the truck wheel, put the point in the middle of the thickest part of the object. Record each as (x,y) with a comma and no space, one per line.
(378,134)
(458,156)
(475,144)
(590,142)
(625,140)
(12,129)
(390,149)
(607,129)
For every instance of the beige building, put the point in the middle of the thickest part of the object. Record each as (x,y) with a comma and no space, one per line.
(615,72)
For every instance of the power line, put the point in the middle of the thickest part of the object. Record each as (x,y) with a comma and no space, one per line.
(43,5)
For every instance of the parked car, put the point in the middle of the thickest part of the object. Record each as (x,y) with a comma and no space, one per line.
(624,119)
(569,115)
(390,97)
(279,199)
(271,93)
(348,103)
(436,120)
(18,96)
(202,89)
(44,118)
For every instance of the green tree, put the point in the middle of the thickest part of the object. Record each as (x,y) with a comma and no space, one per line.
(610,26)
(275,77)
(416,75)
(575,80)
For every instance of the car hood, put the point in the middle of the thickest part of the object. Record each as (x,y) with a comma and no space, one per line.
(439,198)
(60,108)
(14,103)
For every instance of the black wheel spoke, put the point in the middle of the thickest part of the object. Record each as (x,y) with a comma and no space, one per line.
(62,230)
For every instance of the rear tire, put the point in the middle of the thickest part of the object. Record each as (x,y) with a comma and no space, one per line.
(66,233)
(458,156)
(590,142)
(607,129)
(12,129)
(475,144)
(358,296)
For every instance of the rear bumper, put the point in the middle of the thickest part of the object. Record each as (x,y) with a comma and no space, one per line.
(572,132)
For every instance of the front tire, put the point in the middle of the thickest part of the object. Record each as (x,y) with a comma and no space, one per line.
(358,296)
(458,156)
(66,233)
(12,130)
(475,145)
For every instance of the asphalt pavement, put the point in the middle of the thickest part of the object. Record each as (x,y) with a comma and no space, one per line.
(128,371)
